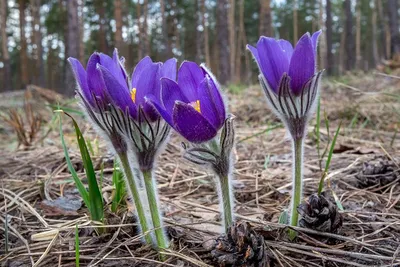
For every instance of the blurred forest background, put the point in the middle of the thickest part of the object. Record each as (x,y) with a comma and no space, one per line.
(37,36)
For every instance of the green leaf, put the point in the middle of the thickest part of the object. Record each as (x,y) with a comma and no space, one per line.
(119,186)
(81,188)
(95,197)
(77,251)
(284,217)
(328,161)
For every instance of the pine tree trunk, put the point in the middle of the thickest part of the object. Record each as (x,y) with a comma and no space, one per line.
(223,41)
(330,63)
(118,24)
(37,41)
(168,50)
(242,42)
(385,36)
(146,39)
(81,31)
(73,45)
(199,34)
(295,22)
(205,29)
(374,23)
(23,57)
(393,9)
(7,84)
(349,44)
(358,35)
(232,38)
(322,42)
(140,34)
(102,34)
(265,28)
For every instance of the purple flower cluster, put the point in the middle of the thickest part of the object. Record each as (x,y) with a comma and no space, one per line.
(289,78)
(193,106)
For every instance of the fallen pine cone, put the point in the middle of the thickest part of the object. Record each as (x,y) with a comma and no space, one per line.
(241,246)
(380,173)
(320,214)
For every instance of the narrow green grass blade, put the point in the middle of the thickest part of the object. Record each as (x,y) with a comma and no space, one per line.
(284,217)
(77,251)
(95,197)
(119,185)
(81,188)
(318,132)
(328,161)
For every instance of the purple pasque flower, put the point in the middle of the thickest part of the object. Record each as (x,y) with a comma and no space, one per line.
(194,106)
(106,81)
(289,78)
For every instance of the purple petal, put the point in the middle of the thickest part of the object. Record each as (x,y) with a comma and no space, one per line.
(171,92)
(191,124)
(118,94)
(216,95)
(148,82)
(80,76)
(168,69)
(207,104)
(94,77)
(302,64)
(189,77)
(273,61)
(138,71)
(314,39)
(151,99)
(254,51)
(114,67)
(121,63)
(287,48)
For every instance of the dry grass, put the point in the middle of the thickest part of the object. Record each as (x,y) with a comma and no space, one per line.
(39,236)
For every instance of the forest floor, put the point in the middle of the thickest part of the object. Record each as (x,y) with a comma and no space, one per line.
(41,233)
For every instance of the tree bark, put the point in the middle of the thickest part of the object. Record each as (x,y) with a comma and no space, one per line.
(140,34)
(349,44)
(242,42)
(81,31)
(203,12)
(322,42)
(7,85)
(199,34)
(329,55)
(23,56)
(102,34)
(374,23)
(223,41)
(393,9)
(164,20)
(146,39)
(358,35)
(295,22)
(386,34)
(73,45)
(37,41)
(118,24)
(232,37)
(265,28)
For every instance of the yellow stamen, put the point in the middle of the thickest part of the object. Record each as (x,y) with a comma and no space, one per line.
(196,105)
(133,95)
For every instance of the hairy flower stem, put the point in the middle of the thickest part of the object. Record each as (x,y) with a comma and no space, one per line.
(136,197)
(298,147)
(226,201)
(162,242)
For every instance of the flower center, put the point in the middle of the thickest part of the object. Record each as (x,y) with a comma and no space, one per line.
(133,95)
(196,105)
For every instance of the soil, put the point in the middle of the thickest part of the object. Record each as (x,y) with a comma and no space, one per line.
(368,105)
